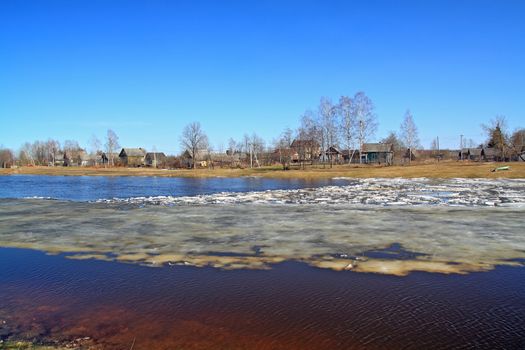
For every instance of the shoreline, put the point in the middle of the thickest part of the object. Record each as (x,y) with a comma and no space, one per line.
(429,170)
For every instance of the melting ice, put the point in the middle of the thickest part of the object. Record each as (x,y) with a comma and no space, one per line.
(446,226)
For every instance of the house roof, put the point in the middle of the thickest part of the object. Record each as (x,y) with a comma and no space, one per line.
(490,152)
(475,151)
(348,152)
(333,150)
(151,155)
(132,152)
(378,147)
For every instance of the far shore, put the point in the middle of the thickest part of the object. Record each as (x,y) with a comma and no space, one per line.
(447,169)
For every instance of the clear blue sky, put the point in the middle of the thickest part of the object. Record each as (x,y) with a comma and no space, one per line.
(70,69)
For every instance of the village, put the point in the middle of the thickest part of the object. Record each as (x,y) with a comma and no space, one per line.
(330,139)
(300,154)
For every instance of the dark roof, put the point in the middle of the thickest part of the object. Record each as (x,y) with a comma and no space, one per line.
(378,147)
(152,155)
(333,150)
(475,151)
(348,152)
(490,152)
(132,152)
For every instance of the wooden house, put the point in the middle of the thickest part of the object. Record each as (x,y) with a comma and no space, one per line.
(305,150)
(490,154)
(132,156)
(155,159)
(410,155)
(334,155)
(379,153)
(75,158)
(474,154)
(350,155)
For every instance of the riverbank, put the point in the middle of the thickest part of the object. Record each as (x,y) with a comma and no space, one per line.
(451,169)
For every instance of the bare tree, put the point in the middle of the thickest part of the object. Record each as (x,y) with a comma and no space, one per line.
(194,140)
(310,138)
(328,123)
(347,121)
(53,149)
(26,155)
(39,152)
(95,144)
(394,139)
(283,147)
(497,134)
(6,157)
(364,117)
(517,142)
(112,146)
(409,134)
(256,145)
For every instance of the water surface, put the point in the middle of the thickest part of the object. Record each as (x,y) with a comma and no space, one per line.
(163,263)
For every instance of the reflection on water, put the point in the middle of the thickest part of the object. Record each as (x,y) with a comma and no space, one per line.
(107,305)
(90,188)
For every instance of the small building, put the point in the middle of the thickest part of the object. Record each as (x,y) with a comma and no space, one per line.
(77,157)
(334,155)
(379,153)
(133,157)
(155,159)
(350,155)
(306,150)
(474,154)
(490,154)
(409,155)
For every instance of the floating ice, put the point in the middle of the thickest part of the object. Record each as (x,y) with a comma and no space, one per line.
(446,226)
(397,191)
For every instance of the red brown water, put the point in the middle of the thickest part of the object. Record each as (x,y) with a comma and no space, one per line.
(292,306)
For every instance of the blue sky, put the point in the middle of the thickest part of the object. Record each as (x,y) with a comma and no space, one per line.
(71,69)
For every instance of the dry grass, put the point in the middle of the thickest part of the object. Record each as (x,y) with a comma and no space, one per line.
(449,169)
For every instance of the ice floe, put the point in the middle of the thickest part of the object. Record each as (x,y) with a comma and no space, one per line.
(382,192)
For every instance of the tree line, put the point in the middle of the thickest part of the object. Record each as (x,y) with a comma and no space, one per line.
(346,124)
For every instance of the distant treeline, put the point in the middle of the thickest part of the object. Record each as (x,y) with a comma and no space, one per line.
(333,133)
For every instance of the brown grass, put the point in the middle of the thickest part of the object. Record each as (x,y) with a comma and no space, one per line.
(448,169)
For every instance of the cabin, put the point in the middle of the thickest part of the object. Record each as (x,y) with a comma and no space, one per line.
(334,155)
(305,150)
(188,161)
(350,155)
(474,154)
(490,154)
(133,157)
(74,158)
(409,155)
(155,159)
(377,153)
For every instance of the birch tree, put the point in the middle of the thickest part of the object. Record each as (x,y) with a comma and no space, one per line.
(347,123)
(111,146)
(364,117)
(53,149)
(409,134)
(328,123)
(95,144)
(283,146)
(309,135)
(194,139)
